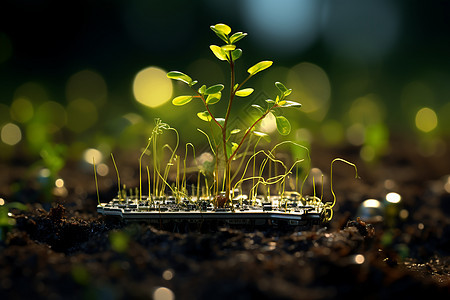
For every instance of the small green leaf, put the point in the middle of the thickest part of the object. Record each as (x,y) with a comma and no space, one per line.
(244,92)
(234,131)
(262,65)
(235,86)
(220,34)
(270,101)
(202,89)
(222,31)
(281,103)
(288,103)
(261,134)
(182,100)
(237,36)
(234,146)
(193,83)
(288,92)
(223,28)
(283,125)
(218,52)
(228,47)
(214,89)
(213,98)
(205,116)
(281,87)
(236,54)
(179,76)
(258,107)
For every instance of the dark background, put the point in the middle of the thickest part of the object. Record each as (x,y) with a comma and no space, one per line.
(393,53)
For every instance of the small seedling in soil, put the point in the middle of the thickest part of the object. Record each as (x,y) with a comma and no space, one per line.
(227,144)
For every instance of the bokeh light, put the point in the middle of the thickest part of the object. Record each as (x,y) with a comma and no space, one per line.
(311,87)
(92,154)
(52,115)
(366,110)
(59,183)
(11,134)
(89,85)
(426,119)
(291,26)
(163,293)
(393,197)
(22,110)
(332,132)
(81,115)
(32,91)
(151,87)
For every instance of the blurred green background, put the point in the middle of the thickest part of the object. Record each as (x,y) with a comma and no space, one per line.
(82,76)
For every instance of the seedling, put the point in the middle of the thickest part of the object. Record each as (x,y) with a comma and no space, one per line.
(229,142)
(222,199)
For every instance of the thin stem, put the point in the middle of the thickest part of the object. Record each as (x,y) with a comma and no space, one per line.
(118,177)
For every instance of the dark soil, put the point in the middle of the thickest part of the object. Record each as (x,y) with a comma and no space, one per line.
(69,252)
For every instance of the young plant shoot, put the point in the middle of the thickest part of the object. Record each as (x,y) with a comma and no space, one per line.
(228,142)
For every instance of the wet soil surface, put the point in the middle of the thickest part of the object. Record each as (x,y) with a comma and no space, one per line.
(64,250)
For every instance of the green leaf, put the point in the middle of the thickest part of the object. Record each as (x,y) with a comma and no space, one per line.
(236,54)
(244,92)
(218,52)
(281,87)
(205,116)
(288,92)
(213,98)
(258,107)
(214,89)
(180,76)
(262,65)
(193,83)
(223,28)
(237,36)
(261,134)
(235,86)
(270,101)
(202,89)
(288,103)
(228,47)
(182,100)
(283,125)
(234,146)
(234,131)
(221,31)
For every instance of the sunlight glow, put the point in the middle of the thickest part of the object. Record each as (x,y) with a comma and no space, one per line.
(151,87)
(11,134)
(2,201)
(426,119)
